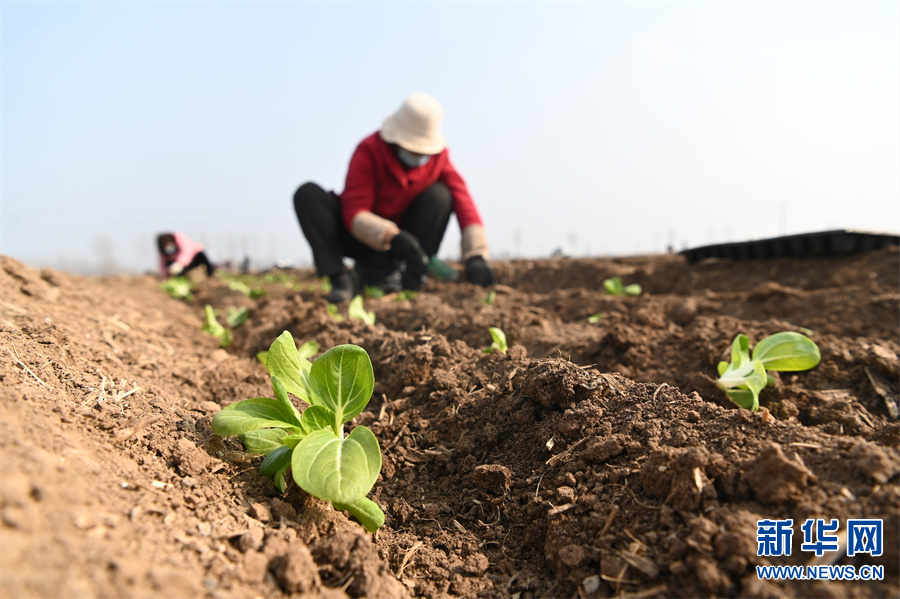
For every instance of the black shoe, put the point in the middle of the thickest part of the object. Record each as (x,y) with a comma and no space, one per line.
(341,288)
(379,271)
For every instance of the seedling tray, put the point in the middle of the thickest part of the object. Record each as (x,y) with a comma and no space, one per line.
(825,243)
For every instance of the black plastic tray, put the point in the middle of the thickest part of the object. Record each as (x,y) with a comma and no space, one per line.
(824,243)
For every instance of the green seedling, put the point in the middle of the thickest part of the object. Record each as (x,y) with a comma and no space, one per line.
(404,295)
(307,351)
(237,316)
(499,341)
(747,375)
(614,286)
(323,461)
(178,287)
(241,285)
(334,313)
(373,292)
(491,297)
(281,278)
(356,311)
(594,318)
(215,329)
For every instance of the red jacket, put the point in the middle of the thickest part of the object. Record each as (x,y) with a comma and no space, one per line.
(378,182)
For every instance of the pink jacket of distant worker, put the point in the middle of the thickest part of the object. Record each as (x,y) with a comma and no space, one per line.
(187,249)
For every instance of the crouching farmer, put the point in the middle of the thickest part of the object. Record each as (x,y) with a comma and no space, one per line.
(400,191)
(179,254)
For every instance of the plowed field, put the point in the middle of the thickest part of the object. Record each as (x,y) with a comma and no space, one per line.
(593,459)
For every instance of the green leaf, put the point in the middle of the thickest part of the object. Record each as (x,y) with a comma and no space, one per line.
(743,375)
(744,398)
(593,318)
(278,479)
(740,351)
(342,380)
(634,289)
(356,311)
(499,337)
(275,461)
(292,440)
(261,356)
(215,329)
(491,297)
(316,417)
(366,511)
(333,312)
(281,397)
(751,377)
(613,286)
(787,352)
(373,292)
(292,369)
(264,440)
(308,349)
(239,286)
(334,469)
(250,415)
(237,317)
(178,287)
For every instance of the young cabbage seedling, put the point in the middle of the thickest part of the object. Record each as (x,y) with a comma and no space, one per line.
(356,311)
(215,329)
(491,297)
(499,341)
(284,279)
(178,288)
(614,286)
(334,313)
(237,316)
(594,318)
(746,375)
(373,292)
(323,461)
(240,285)
(405,295)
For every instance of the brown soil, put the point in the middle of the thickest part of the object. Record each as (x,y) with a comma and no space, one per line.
(591,460)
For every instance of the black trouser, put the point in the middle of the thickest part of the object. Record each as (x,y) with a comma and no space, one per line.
(319,213)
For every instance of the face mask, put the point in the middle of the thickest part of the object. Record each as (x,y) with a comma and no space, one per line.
(411,160)
(169,249)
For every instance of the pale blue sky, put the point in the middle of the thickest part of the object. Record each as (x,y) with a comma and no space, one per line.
(610,128)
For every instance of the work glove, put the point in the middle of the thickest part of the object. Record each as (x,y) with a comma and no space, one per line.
(405,248)
(478,272)
(175,269)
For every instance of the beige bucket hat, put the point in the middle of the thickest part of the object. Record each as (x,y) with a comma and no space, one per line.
(416,126)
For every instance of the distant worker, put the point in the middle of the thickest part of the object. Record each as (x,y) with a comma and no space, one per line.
(391,217)
(178,254)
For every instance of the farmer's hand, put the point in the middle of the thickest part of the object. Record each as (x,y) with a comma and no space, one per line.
(478,272)
(405,247)
(175,269)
